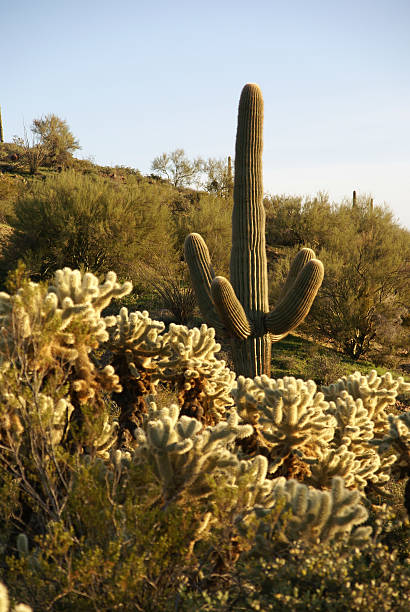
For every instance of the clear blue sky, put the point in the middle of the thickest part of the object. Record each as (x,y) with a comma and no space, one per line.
(134,79)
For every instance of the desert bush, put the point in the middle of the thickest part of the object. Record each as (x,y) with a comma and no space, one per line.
(110,500)
(324,366)
(86,222)
(314,578)
(56,139)
(364,297)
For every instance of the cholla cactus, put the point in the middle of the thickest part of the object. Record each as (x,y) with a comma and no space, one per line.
(5,602)
(357,469)
(354,426)
(351,455)
(86,289)
(376,393)
(87,295)
(310,514)
(33,318)
(203,382)
(63,323)
(183,454)
(398,439)
(289,417)
(136,344)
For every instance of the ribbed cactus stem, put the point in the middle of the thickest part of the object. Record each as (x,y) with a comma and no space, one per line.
(296,303)
(202,275)
(1,128)
(229,308)
(248,264)
(241,306)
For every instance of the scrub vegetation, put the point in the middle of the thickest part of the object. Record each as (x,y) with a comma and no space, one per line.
(141,466)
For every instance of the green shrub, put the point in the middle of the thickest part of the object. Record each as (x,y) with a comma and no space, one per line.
(87,222)
(314,578)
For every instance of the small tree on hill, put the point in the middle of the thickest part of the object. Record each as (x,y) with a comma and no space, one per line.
(56,137)
(33,153)
(218,176)
(177,168)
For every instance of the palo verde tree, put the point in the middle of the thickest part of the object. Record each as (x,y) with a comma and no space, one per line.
(365,296)
(56,137)
(218,176)
(240,308)
(177,168)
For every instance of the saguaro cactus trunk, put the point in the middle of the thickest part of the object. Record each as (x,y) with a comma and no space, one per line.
(1,128)
(240,308)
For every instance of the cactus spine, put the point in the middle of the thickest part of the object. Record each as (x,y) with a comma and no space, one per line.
(240,308)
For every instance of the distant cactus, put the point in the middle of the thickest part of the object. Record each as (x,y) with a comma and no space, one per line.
(230,178)
(241,309)
(1,128)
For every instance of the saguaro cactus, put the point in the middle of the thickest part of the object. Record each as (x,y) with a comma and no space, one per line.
(1,128)
(241,309)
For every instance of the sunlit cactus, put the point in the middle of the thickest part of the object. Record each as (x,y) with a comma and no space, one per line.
(240,308)
(311,515)
(376,393)
(183,454)
(202,382)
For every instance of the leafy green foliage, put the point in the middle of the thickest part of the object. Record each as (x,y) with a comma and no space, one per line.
(313,578)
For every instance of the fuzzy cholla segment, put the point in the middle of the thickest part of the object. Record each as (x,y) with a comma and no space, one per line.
(139,337)
(397,438)
(192,360)
(313,515)
(70,287)
(376,393)
(290,413)
(182,454)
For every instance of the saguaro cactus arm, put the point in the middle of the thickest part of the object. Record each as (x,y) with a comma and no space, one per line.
(229,308)
(202,274)
(297,299)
